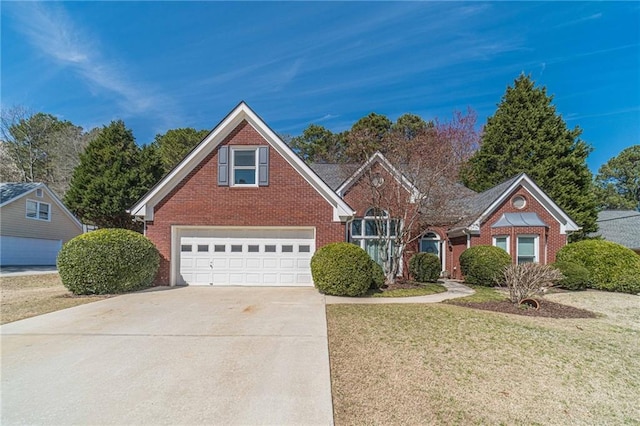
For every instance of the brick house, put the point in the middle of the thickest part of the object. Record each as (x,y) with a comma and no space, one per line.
(243,209)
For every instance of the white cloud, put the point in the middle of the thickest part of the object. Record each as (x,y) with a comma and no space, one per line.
(50,29)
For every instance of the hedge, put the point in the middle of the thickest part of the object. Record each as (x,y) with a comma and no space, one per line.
(425,267)
(342,269)
(576,276)
(108,261)
(483,265)
(611,266)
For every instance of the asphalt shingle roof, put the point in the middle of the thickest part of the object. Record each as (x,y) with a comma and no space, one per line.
(334,175)
(11,190)
(620,226)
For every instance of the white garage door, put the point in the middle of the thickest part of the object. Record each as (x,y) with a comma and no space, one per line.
(251,257)
(28,251)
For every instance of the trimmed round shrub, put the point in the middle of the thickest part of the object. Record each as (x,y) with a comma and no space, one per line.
(484,265)
(108,261)
(377,276)
(342,269)
(425,267)
(611,266)
(576,277)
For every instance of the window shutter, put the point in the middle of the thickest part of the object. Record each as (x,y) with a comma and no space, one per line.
(263,166)
(223,166)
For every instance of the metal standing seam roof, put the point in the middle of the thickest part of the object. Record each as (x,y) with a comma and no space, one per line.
(12,190)
(519,219)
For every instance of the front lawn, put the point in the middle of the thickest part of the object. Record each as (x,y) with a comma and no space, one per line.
(446,364)
(31,295)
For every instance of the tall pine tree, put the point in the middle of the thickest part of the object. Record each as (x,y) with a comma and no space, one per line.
(527,135)
(111,176)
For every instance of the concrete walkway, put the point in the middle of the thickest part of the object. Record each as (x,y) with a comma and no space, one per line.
(454,290)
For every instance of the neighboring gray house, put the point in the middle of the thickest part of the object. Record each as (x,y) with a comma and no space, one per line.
(33,224)
(620,226)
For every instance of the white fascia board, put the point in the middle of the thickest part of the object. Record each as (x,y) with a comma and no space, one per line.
(144,207)
(566,224)
(341,210)
(60,204)
(384,162)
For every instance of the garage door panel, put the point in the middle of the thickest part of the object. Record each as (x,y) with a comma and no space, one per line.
(28,251)
(246,257)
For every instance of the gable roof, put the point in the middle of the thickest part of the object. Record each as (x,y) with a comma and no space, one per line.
(12,191)
(145,206)
(333,174)
(9,191)
(620,226)
(377,158)
(482,205)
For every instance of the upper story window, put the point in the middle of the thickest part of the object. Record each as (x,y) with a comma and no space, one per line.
(244,166)
(38,210)
(39,193)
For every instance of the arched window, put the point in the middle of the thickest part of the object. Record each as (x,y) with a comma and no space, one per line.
(375,233)
(430,243)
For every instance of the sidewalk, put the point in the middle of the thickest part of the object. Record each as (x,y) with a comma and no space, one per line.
(12,271)
(454,290)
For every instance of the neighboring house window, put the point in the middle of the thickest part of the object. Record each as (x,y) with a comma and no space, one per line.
(502,241)
(38,210)
(527,249)
(430,243)
(244,167)
(39,193)
(375,231)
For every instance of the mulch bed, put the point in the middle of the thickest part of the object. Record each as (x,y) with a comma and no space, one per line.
(402,283)
(547,309)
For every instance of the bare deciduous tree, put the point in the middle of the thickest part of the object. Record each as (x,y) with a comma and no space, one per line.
(418,186)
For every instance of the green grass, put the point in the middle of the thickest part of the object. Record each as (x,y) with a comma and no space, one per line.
(423,290)
(482,294)
(443,364)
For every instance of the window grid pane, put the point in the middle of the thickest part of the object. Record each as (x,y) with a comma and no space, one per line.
(244,158)
(253,249)
(244,176)
(270,249)
(287,249)
(32,209)
(236,248)
(44,211)
(219,248)
(185,247)
(203,248)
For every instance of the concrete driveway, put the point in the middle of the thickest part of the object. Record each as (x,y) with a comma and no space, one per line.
(176,356)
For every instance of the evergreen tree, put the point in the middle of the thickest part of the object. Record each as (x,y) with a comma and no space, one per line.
(109,179)
(618,181)
(175,144)
(527,135)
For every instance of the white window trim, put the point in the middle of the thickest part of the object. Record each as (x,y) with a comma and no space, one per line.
(233,167)
(495,244)
(536,246)
(38,203)
(362,238)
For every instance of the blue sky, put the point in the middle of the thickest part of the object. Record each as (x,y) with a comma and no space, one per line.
(163,65)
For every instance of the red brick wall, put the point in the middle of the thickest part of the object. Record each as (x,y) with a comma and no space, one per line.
(289,200)
(550,240)
(360,197)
